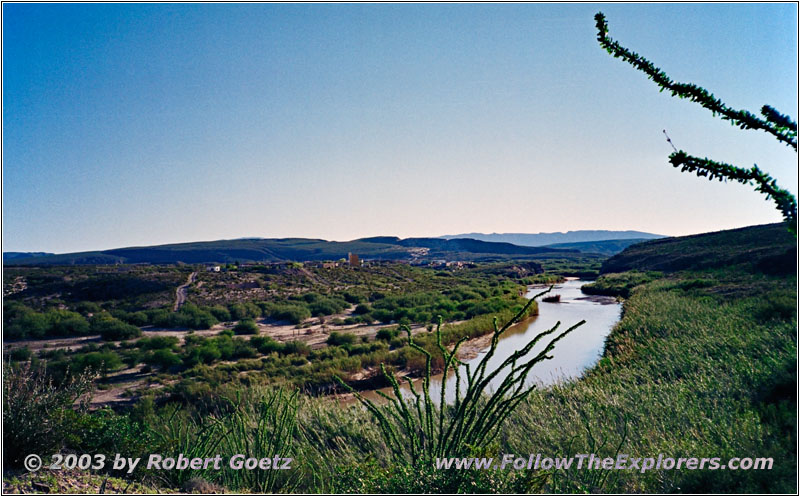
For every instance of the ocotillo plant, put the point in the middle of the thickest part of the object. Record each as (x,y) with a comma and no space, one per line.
(261,427)
(420,430)
(780,126)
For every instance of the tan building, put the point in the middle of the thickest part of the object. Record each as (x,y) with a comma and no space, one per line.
(353,259)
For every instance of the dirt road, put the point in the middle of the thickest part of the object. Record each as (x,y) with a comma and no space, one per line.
(183,290)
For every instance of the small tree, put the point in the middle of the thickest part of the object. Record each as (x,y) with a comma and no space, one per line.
(782,127)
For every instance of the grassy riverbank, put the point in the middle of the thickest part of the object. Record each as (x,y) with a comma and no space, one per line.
(692,370)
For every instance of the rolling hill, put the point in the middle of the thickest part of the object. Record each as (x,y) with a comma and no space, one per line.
(300,249)
(10,256)
(768,248)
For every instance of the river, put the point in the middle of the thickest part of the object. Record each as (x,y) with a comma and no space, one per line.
(577,352)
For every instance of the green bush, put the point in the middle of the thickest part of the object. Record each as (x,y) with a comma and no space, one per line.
(239,311)
(340,338)
(242,349)
(325,306)
(20,354)
(158,342)
(246,327)
(209,353)
(220,312)
(295,347)
(387,334)
(266,345)
(102,362)
(293,313)
(353,298)
(36,412)
(163,358)
(23,322)
(362,309)
(139,318)
(67,323)
(112,329)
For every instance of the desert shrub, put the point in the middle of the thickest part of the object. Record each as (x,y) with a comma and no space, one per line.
(163,358)
(20,354)
(225,345)
(85,307)
(246,327)
(23,322)
(383,315)
(209,353)
(340,338)
(242,310)
(619,284)
(295,312)
(113,329)
(67,323)
(387,334)
(362,309)
(220,313)
(139,318)
(242,349)
(102,362)
(266,345)
(296,347)
(325,306)
(36,412)
(158,317)
(131,357)
(353,298)
(106,432)
(158,342)
(192,317)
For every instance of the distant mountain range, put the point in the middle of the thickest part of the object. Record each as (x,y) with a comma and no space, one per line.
(545,239)
(603,247)
(300,249)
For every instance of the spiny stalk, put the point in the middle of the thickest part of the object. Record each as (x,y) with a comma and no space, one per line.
(781,126)
(434,430)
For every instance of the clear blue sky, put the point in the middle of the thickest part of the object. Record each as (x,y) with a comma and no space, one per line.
(155,123)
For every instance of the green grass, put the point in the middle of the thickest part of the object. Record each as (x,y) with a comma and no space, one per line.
(703,372)
(619,284)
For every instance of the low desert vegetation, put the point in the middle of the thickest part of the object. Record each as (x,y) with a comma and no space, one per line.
(729,362)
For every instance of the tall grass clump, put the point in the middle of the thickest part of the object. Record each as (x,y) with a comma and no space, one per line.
(37,413)
(255,422)
(261,428)
(419,429)
(177,432)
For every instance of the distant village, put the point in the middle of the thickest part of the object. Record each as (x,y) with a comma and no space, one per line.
(352,260)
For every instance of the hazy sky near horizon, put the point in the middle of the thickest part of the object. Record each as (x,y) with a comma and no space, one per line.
(141,124)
